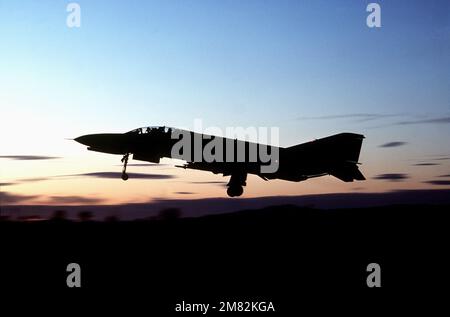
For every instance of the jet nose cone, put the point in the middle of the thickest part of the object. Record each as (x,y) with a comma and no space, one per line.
(104,142)
(84,139)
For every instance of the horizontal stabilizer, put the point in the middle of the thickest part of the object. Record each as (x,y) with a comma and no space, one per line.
(348,173)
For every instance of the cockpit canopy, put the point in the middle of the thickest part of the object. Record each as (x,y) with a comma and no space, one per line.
(150,130)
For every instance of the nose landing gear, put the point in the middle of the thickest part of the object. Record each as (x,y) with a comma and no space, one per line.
(124,170)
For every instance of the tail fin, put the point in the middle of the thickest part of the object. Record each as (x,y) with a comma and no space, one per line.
(347,146)
(338,153)
(344,146)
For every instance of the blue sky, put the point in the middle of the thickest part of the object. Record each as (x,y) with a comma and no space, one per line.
(250,57)
(231,63)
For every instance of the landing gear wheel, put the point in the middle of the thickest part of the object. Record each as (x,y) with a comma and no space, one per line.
(124,170)
(235,191)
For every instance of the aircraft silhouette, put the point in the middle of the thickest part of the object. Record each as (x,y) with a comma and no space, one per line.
(335,155)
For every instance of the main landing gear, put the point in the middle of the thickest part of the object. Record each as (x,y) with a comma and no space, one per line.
(235,184)
(124,170)
(235,191)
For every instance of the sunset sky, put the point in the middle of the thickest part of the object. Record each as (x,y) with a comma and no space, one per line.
(311,68)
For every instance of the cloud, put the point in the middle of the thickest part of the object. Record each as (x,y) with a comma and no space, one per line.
(9,198)
(431,157)
(393,177)
(219,183)
(443,120)
(33,179)
(393,144)
(439,182)
(143,164)
(441,159)
(208,182)
(109,175)
(74,200)
(426,164)
(361,116)
(28,157)
(6,184)
(184,193)
(118,175)
(416,119)
(447,175)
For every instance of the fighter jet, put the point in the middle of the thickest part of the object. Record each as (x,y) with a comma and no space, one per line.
(336,155)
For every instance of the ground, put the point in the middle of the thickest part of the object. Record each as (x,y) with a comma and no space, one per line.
(288,255)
